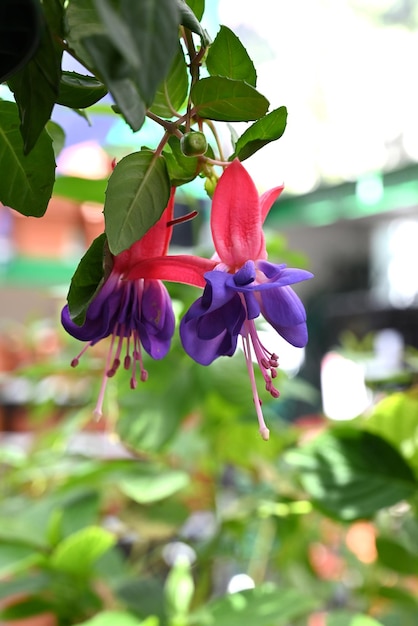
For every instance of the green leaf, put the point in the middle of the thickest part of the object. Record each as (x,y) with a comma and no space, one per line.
(150,30)
(394,555)
(26,181)
(26,607)
(78,552)
(82,21)
(20,33)
(179,589)
(352,474)
(265,605)
(181,169)
(87,280)
(189,19)
(16,557)
(152,484)
(35,88)
(267,129)
(226,100)
(343,618)
(81,189)
(57,134)
(172,94)
(198,7)
(119,79)
(228,57)
(79,91)
(136,196)
(114,618)
(395,419)
(25,585)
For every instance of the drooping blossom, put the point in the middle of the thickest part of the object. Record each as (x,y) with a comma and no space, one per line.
(242,285)
(135,313)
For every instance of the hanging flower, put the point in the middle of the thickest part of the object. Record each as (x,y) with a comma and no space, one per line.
(243,284)
(135,313)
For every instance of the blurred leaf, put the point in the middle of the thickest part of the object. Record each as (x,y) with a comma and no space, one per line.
(172,93)
(114,618)
(228,57)
(79,91)
(342,618)
(151,484)
(395,419)
(20,33)
(15,557)
(136,196)
(394,555)
(25,608)
(81,189)
(267,129)
(87,280)
(179,589)
(25,585)
(78,552)
(265,605)
(351,474)
(35,88)
(144,597)
(26,181)
(226,100)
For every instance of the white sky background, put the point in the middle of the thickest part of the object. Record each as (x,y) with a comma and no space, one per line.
(348,84)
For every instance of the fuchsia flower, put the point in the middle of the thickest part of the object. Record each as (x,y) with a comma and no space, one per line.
(243,284)
(137,313)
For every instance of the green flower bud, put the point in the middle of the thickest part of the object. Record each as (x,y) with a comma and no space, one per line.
(193,144)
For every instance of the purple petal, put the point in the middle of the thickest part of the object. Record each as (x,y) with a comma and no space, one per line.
(101,314)
(283,309)
(157,322)
(281,275)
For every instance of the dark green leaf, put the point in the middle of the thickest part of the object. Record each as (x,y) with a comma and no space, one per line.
(35,88)
(86,280)
(26,181)
(145,34)
(352,474)
(144,596)
(82,21)
(25,608)
(172,94)
(136,196)
(79,91)
(189,19)
(20,33)
(395,556)
(265,605)
(226,100)
(228,57)
(267,129)
(181,169)
(118,78)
